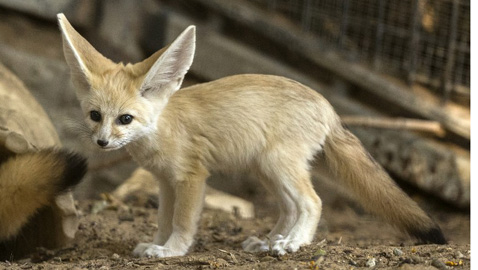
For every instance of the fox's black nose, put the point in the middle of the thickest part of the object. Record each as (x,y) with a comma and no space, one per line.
(102,143)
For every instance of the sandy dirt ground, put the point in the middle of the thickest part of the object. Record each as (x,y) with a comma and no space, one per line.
(346,238)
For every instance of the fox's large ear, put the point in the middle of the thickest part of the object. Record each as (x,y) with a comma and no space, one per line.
(84,61)
(167,73)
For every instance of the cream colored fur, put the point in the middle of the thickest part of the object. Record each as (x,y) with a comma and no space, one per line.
(270,127)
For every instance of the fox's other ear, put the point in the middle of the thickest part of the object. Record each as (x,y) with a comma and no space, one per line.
(83,60)
(167,73)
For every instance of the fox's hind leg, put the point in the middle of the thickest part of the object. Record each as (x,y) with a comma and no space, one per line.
(287,219)
(309,208)
(290,175)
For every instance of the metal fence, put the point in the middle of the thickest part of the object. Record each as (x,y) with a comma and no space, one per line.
(420,41)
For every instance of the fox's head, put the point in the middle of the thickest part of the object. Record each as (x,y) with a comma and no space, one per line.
(123,102)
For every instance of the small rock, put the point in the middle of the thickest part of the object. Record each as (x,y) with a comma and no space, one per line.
(352,262)
(131,264)
(459,255)
(397,252)
(99,206)
(267,259)
(406,261)
(125,216)
(115,256)
(371,263)
(439,264)
(416,259)
(219,263)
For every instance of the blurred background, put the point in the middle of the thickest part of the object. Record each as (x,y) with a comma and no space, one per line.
(374,60)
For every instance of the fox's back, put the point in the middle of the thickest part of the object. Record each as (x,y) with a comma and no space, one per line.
(240,117)
(255,99)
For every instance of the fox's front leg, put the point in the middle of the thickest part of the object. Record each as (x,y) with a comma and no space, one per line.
(188,200)
(165,212)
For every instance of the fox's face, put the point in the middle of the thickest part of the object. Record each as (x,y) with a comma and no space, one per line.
(115,112)
(122,103)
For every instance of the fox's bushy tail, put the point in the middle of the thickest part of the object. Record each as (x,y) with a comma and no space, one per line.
(373,187)
(32,180)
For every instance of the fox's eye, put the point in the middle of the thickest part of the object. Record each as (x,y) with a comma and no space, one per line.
(125,119)
(95,116)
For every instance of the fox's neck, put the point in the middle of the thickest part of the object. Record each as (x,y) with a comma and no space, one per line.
(149,149)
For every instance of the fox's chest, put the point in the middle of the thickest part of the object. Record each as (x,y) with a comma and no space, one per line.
(147,152)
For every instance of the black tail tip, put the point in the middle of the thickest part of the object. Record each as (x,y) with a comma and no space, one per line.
(430,236)
(75,167)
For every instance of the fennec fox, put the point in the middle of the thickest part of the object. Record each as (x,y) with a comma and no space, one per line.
(30,181)
(271,127)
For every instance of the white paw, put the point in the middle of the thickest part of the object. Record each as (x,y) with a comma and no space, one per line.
(151,250)
(254,244)
(281,245)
